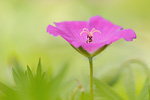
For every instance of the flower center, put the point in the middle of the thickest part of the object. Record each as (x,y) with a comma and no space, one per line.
(89,34)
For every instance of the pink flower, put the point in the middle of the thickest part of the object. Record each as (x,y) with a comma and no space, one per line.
(90,38)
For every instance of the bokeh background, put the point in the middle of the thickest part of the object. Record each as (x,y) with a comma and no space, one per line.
(23,35)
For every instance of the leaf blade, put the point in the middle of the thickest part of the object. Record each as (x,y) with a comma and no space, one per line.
(129,84)
(106,91)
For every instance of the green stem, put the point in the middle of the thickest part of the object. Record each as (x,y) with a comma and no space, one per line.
(91,77)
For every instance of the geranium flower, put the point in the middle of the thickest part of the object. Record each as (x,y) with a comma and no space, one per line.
(92,37)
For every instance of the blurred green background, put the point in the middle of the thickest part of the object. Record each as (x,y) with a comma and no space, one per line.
(23,35)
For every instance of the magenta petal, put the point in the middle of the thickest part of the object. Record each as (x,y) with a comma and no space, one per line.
(73,28)
(55,32)
(102,25)
(126,34)
(92,47)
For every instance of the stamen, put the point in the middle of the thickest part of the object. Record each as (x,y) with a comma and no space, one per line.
(93,31)
(85,30)
(89,34)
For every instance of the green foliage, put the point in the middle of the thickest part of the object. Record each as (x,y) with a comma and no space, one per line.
(144,93)
(38,86)
(129,84)
(104,92)
(31,86)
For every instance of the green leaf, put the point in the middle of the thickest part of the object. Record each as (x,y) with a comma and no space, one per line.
(18,73)
(55,84)
(129,84)
(144,94)
(29,72)
(146,69)
(19,77)
(39,69)
(9,93)
(112,78)
(4,89)
(16,77)
(104,92)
